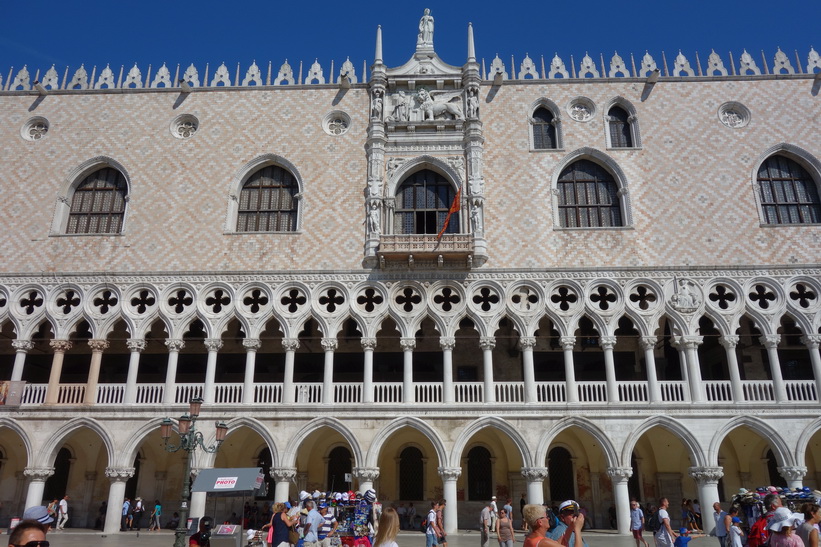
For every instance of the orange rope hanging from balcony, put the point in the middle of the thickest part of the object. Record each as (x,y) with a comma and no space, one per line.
(454,208)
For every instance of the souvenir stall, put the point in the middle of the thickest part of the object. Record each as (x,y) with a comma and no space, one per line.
(356,515)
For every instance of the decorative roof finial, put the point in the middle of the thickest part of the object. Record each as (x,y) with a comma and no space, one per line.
(471,47)
(378,55)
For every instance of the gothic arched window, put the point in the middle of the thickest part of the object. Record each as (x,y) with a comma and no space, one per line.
(411,474)
(560,473)
(588,197)
(789,195)
(267,201)
(98,203)
(422,204)
(544,130)
(620,128)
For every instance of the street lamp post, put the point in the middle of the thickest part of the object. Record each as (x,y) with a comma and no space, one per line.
(190,438)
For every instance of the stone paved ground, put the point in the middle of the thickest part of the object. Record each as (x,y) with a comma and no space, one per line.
(84,538)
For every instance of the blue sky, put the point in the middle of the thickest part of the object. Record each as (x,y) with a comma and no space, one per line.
(121,32)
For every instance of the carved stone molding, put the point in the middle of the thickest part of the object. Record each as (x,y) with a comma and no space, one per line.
(407,344)
(283,474)
(729,341)
(534,473)
(368,343)
(567,342)
(607,342)
(450,473)
(119,474)
(447,343)
(487,342)
(98,345)
(38,473)
(812,341)
(290,344)
(770,341)
(527,342)
(648,342)
(330,344)
(213,344)
(22,345)
(368,474)
(620,474)
(174,344)
(136,344)
(60,346)
(706,475)
(792,472)
(251,344)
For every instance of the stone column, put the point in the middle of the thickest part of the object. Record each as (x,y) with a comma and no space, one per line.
(213,345)
(368,345)
(648,345)
(408,393)
(447,343)
(22,347)
(812,341)
(607,343)
(197,508)
(619,477)
(526,344)
(283,476)
(730,342)
(568,343)
(174,346)
(97,348)
(91,478)
(37,484)
(251,346)
(290,345)
(771,341)
(487,343)
(535,477)
(116,494)
(697,392)
(707,481)
(329,345)
(450,475)
(60,348)
(136,346)
(794,474)
(366,476)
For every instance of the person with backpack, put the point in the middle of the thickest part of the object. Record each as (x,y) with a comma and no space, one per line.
(759,534)
(665,536)
(432,531)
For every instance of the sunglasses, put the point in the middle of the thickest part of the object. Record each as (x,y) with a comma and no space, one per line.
(32,544)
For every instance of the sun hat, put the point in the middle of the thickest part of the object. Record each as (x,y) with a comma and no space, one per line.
(38,513)
(783,519)
(569,504)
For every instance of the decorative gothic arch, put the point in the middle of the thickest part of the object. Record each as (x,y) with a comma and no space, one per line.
(288,457)
(482,423)
(585,425)
(62,207)
(245,172)
(556,122)
(632,122)
(411,166)
(801,156)
(384,434)
(676,428)
(14,426)
(49,450)
(775,439)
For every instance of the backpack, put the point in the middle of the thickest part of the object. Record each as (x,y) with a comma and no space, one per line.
(424,526)
(653,524)
(758,533)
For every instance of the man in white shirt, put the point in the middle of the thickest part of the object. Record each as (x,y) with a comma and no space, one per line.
(432,531)
(62,513)
(494,512)
(721,524)
(665,537)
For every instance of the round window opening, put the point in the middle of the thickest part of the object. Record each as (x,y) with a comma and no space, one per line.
(184,126)
(35,129)
(336,123)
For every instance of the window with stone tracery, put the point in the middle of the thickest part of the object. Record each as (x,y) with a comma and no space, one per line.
(98,203)
(422,204)
(588,197)
(789,195)
(544,130)
(267,202)
(619,126)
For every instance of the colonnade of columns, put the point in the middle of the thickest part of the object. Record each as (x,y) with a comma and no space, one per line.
(686,345)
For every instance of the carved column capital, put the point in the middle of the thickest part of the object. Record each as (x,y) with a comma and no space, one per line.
(60,346)
(648,342)
(174,344)
(567,342)
(290,344)
(329,344)
(368,343)
(119,474)
(729,341)
(534,473)
(38,473)
(22,345)
(251,344)
(98,346)
(447,343)
(407,344)
(770,341)
(793,472)
(487,342)
(450,473)
(620,474)
(691,341)
(366,474)
(706,475)
(213,344)
(283,474)
(812,341)
(607,342)
(136,344)
(527,342)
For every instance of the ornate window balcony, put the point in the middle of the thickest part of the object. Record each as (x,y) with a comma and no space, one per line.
(414,249)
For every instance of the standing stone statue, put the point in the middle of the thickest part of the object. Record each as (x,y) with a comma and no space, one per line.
(425,37)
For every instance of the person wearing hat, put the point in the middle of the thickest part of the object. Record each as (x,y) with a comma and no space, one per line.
(736,534)
(203,536)
(536,518)
(328,526)
(40,514)
(30,532)
(494,512)
(138,513)
(683,537)
(568,511)
(781,529)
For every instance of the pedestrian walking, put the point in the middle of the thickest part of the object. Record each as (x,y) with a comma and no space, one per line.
(62,511)
(156,513)
(504,529)
(637,523)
